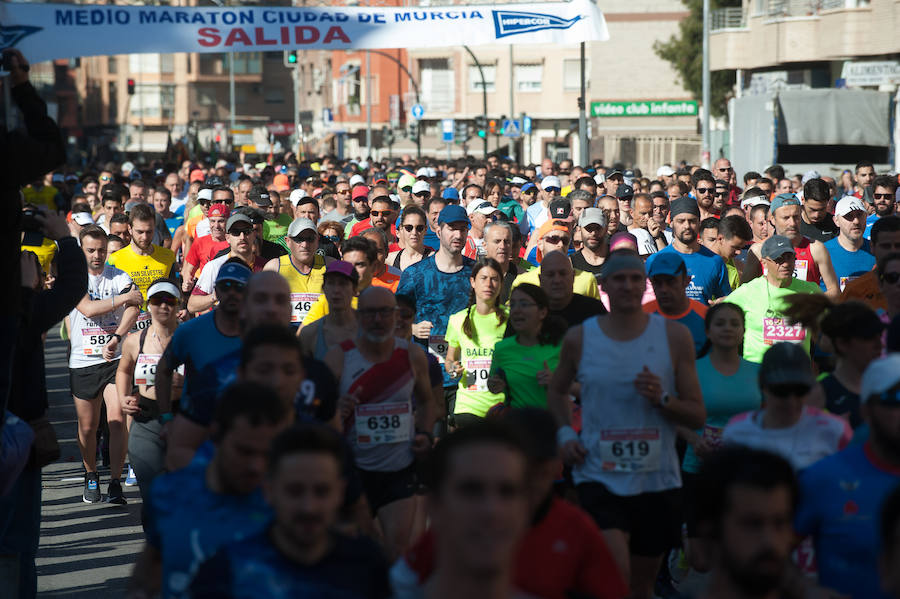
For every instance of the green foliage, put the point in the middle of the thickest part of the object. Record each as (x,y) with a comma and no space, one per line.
(685,53)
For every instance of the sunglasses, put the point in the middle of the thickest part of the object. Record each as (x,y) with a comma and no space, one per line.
(166,299)
(361,200)
(381,212)
(238,232)
(423,194)
(790,390)
(557,239)
(891,277)
(883,196)
(105,178)
(205,203)
(230,286)
(705,190)
(416,228)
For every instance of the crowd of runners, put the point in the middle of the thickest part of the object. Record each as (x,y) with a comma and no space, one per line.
(363,378)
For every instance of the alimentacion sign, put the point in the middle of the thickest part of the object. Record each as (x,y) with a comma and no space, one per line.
(645,108)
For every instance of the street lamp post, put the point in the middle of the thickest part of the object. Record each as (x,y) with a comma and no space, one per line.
(230,82)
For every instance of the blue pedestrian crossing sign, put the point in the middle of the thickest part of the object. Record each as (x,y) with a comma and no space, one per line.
(417,111)
(447,130)
(526,125)
(511,128)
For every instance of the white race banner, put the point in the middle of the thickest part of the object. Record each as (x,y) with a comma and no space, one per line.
(49,31)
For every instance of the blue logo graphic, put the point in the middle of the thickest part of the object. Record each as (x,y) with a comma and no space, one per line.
(511,22)
(10,36)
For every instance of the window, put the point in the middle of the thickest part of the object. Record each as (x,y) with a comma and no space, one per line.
(166,63)
(490,72)
(153,100)
(206,95)
(572,74)
(143,63)
(436,79)
(211,64)
(111,66)
(528,77)
(245,63)
(274,95)
(112,106)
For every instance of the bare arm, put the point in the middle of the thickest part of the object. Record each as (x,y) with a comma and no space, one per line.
(200,303)
(425,407)
(687,408)
(92,308)
(826,269)
(272,265)
(125,371)
(558,401)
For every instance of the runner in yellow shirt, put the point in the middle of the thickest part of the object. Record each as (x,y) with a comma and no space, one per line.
(302,267)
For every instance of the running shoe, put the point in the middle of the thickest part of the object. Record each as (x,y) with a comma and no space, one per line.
(114,493)
(131,479)
(91,488)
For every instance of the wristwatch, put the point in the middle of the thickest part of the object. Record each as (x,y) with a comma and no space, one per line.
(664,400)
(118,337)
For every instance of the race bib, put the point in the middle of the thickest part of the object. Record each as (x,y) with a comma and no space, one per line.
(300,305)
(776,330)
(94,339)
(437,345)
(630,450)
(845,280)
(801,267)
(143,321)
(381,424)
(477,373)
(145,369)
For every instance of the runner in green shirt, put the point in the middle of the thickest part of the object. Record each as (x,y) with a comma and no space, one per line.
(523,364)
(471,335)
(763,301)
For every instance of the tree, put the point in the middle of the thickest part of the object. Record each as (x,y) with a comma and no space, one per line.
(685,53)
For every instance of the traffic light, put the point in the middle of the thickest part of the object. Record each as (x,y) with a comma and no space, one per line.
(131,87)
(461,134)
(481,126)
(414,131)
(501,129)
(387,136)
(291,58)
(492,126)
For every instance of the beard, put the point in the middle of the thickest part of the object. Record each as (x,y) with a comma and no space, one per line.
(752,576)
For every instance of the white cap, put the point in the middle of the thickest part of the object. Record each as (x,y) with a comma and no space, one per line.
(848,204)
(810,175)
(421,186)
(479,205)
(205,194)
(164,287)
(83,218)
(357,180)
(297,195)
(665,171)
(551,181)
(880,375)
(422,172)
(600,178)
(127,167)
(755,201)
(518,181)
(299,225)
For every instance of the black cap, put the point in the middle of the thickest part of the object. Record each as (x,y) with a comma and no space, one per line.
(624,192)
(786,364)
(259,195)
(560,208)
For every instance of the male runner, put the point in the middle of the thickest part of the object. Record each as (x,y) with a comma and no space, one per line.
(303,268)
(143,261)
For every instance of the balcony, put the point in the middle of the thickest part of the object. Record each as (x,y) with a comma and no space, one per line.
(772,33)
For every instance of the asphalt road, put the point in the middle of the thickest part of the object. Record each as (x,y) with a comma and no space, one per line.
(84,549)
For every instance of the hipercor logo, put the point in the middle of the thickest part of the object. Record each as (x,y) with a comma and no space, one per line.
(510,22)
(12,35)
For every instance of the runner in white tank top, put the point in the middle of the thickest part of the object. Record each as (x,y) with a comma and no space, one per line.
(388,413)
(638,381)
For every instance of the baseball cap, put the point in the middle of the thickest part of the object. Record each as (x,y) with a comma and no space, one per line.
(164,287)
(83,218)
(622,240)
(299,225)
(808,175)
(127,167)
(592,216)
(613,172)
(528,187)
(281,182)
(848,204)
(238,217)
(58,178)
(296,196)
(259,195)
(550,182)
(756,200)
(451,193)
(621,261)
(421,186)
(218,209)
(357,180)
(776,246)
(665,171)
(624,192)
(233,271)
(599,178)
(786,364)
(406,181)
(204,194)
(550,226)
(784,199)
(340,267)
(453,213)
(628,176)
(480,206)
(880,375)
(518,181)
(560,208)
(666,263)
(360,191)
(683,205)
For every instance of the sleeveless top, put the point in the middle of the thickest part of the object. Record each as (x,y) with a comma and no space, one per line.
(428,252)
(382,428)
(805,267)
(305,288)
(321,347)
(630,443)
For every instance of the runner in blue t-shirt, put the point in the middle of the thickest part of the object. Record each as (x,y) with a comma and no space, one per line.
(841,495)
(439,284)
(709,277)
(192,512)
(851,255)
